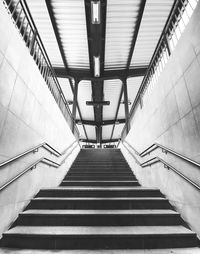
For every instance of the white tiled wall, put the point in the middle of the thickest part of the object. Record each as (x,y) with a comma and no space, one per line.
(171,116)
(29,116)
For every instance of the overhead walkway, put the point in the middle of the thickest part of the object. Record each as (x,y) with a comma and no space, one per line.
(100,206)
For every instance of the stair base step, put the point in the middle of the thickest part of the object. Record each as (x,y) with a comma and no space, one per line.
(99,218)
(100,183)
(99,237)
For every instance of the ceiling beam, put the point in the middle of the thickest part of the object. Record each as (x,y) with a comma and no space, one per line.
(108,74)
(96,48)
(56,32)
(106,122)
(93,141)
(135,34)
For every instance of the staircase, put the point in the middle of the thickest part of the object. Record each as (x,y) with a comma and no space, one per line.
(99,205)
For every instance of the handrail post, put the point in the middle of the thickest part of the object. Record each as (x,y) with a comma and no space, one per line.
(166,40)
(32,44)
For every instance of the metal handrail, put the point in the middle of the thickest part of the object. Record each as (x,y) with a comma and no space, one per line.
(32,39)
(34,149)
(156,145)
(162,45)
(33,165)
(63,161)
(158,159)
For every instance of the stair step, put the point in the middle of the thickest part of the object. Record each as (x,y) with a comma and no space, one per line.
(106,174)
(99,183)
(99,203)
(103,165)
(123,237)
(100,169)
(119,178)
(99,218)
(99,173)
(99,192)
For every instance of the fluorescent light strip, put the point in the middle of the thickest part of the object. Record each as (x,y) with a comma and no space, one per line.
(96,66)
(95,12)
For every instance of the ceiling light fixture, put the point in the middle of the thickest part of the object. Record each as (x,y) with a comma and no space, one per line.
(95,12)
(96,66)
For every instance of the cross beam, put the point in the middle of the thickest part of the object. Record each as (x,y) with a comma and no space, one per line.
(106,122)
(105,75)
(93,141)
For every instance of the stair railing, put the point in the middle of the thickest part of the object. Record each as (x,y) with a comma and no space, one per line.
(22,18)
(41,160)
(157,159)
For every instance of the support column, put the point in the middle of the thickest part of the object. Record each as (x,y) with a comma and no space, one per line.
(126,105)
(74,104)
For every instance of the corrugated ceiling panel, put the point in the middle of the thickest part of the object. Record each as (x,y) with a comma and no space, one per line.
(42,21)
(120,24)
(85,94)
(91,131)
(71,22)
(106,131)
(112,90)
(117,131)
(153,21)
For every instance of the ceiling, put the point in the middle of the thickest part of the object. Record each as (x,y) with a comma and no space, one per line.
(122,42)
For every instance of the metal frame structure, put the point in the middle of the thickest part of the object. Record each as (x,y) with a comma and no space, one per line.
(96,41)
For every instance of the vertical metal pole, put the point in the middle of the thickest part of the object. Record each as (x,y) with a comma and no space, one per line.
(166,39)
(126,105)
(74,104)
(32,44)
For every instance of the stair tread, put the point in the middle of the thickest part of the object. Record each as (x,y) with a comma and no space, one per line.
(99,198)
(97,212)
(99,230)
(136,188)
(102,181)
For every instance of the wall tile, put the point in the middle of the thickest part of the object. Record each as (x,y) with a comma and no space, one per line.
(172,108)
(196,112)
(18,97)
(191,140)
(3,113)
(182,98)
(5,31)
(192,78)
(7,80)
